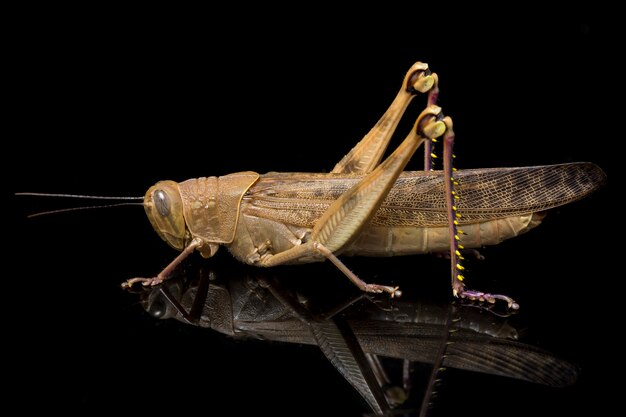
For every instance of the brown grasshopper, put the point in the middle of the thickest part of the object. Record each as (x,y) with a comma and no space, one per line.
(365,206)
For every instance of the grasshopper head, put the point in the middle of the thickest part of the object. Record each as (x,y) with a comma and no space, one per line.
(164,207)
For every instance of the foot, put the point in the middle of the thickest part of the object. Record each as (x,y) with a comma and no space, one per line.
(461,292)
(394,292)
(146,282)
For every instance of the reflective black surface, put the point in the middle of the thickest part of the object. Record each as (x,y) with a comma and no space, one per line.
(361,334)
(105,111)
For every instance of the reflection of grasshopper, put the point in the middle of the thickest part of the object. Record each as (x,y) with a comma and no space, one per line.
(364,206)
(359,336)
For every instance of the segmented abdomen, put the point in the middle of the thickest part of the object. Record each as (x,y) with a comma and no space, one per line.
(394,241)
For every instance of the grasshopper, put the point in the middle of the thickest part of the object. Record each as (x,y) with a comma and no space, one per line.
(364,206)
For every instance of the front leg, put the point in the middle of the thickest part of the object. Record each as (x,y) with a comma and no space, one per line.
(167,271)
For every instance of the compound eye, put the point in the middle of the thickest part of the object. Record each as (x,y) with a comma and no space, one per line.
(162,202)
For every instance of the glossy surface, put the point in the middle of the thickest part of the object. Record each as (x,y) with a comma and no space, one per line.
(364,337)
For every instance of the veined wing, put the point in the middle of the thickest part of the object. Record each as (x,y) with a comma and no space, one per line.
(417,199)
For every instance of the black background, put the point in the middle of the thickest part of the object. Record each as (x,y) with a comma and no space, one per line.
(109,106)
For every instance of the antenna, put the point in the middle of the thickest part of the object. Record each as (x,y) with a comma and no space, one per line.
(80,196)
